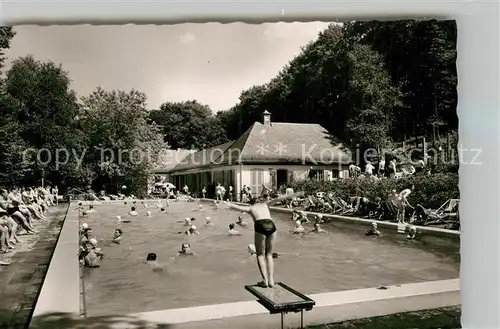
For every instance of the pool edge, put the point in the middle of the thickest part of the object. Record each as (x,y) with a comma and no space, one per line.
(330,307)
(60,291)
(434,231)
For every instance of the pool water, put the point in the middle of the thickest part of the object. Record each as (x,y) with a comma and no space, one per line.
(343,259)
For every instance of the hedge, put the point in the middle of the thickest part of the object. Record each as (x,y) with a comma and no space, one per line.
(430,191)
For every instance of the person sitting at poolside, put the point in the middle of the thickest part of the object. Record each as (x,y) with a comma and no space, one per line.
(153,263)
(412,233)
(117,236)
(374,230)
(92,255)
(132,212)
(16,211)
(91,209)
(232,231)
(16,220)
(299,229)
(4,237)
(241,222)
(265,234)
(185,250)
(318,229)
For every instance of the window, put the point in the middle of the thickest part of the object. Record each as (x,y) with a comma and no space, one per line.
(256,181)
(316,175)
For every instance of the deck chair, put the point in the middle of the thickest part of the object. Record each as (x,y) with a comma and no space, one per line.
(449,207)
(320,195)
(335,203)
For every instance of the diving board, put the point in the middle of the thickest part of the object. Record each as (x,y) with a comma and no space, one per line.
(282,299)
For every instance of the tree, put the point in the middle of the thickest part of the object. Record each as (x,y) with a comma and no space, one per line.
(122,146)
(374,100)
(421,56)
(6,35)
(42,108)
(188,125)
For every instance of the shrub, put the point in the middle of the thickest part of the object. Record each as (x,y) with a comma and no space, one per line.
(430,191)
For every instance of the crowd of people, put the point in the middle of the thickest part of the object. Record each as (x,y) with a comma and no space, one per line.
(20,209)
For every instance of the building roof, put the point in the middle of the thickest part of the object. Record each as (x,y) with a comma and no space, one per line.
(202,158)
(291,143)
(170,159)
(302,143)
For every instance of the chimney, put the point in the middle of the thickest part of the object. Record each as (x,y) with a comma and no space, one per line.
(266,118)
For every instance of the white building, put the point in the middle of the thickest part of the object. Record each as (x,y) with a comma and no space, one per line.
(269,153)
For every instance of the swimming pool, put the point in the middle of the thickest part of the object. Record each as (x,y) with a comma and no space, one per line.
(342,260)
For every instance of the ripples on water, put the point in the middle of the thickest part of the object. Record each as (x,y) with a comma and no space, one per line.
(341,260)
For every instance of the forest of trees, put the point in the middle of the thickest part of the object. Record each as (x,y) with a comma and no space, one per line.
(368,83)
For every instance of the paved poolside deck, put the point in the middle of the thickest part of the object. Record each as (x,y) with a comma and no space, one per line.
(442,318)
(20,282)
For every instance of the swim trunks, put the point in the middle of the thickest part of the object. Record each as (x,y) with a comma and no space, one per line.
(12,209)
(265,226)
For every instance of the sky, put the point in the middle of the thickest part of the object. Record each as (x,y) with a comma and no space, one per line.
(209,62)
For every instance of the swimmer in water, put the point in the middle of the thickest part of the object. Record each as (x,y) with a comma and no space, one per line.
(265,235)
(318,219)
(208,221)
(188,221)
(253,252)
(132,212)
(318,229)
(152,262)
(162,210)
(91,209)
(232,231)
(412,233)
(148,213)
(299,229)
(374,230)
(241,222)
(192,231)
(92,255)
(117,236)
(185,250)
(200,207)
